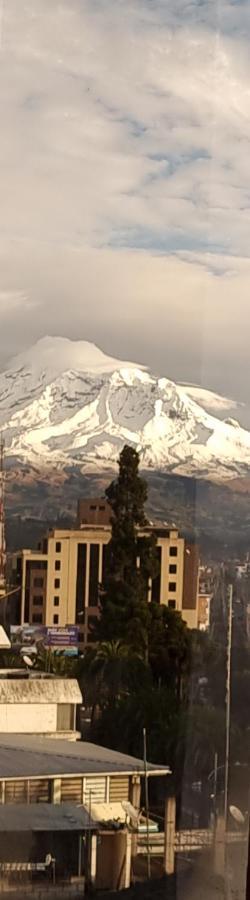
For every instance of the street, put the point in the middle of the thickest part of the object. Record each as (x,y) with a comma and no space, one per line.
(199,883)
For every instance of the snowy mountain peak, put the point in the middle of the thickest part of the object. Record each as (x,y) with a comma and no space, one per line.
(54,355)
(65,404)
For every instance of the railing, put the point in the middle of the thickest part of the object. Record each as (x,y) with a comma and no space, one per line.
(19,868)
(189,841)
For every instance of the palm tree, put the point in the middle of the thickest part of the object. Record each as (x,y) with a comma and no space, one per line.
(107,672)
(55,662)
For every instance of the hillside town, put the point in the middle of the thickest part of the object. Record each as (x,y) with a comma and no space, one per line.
(105,627)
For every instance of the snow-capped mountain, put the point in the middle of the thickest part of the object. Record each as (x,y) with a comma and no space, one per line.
(65,403)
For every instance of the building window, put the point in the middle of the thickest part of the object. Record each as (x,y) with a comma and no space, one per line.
(65,717)
(57,565)
(80,581)
(173,551)
(173,568)
(37,619)
(55,619)
(172,604)
(172,586)
(57,582)
(38,601)
(56,601)
(93,574)
(38,582)
(58,546)
(93,508)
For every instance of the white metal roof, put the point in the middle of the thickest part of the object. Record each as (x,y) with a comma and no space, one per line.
(56,690)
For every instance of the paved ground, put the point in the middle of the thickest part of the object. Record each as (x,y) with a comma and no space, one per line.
(195,881)
(201,884)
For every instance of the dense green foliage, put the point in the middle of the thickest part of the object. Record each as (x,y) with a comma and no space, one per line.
(132,560)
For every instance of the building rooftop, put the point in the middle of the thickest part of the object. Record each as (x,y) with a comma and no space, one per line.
(39,690)
(24,756)
(44,817)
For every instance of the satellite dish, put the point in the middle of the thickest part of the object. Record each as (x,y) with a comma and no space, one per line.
(237,815)
(130,810)
(28,662)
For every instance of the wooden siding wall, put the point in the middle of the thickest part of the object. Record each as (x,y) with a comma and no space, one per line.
(75,789)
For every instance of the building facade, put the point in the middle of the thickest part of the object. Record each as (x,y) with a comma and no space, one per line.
(73,800)
(31,703)
(60,582)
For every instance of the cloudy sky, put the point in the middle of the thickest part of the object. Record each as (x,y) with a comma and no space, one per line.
(125,181)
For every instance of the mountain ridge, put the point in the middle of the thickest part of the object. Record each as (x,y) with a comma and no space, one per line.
(65,403)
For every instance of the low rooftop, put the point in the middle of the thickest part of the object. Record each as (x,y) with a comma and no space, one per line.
(44,817)
(39,690)
(24,756)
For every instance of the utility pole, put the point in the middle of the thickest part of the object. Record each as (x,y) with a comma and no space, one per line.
(146,799)
(228,695)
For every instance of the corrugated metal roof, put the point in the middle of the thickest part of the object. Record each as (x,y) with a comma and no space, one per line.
(45,817)
(26,755)
(58,690)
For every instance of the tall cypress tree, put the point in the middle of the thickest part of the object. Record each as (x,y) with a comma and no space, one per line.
(131,559)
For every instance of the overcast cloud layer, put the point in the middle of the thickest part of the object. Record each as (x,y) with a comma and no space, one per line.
(124,181)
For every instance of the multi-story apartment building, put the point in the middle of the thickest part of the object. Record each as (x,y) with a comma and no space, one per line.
(60,582)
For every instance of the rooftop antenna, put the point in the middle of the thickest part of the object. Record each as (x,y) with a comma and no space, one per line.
(2,521)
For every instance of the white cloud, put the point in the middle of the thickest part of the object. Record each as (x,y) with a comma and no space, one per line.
(13,302)
(127,124)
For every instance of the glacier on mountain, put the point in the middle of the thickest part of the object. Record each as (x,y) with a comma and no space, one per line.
(66,403)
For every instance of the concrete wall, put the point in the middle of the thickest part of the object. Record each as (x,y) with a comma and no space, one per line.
(191,585)
(190,617)
(113,861)
(59,892)
(93,511)
(30,718)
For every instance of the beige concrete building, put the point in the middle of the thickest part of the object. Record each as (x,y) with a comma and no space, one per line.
(38,704)
(60,582)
